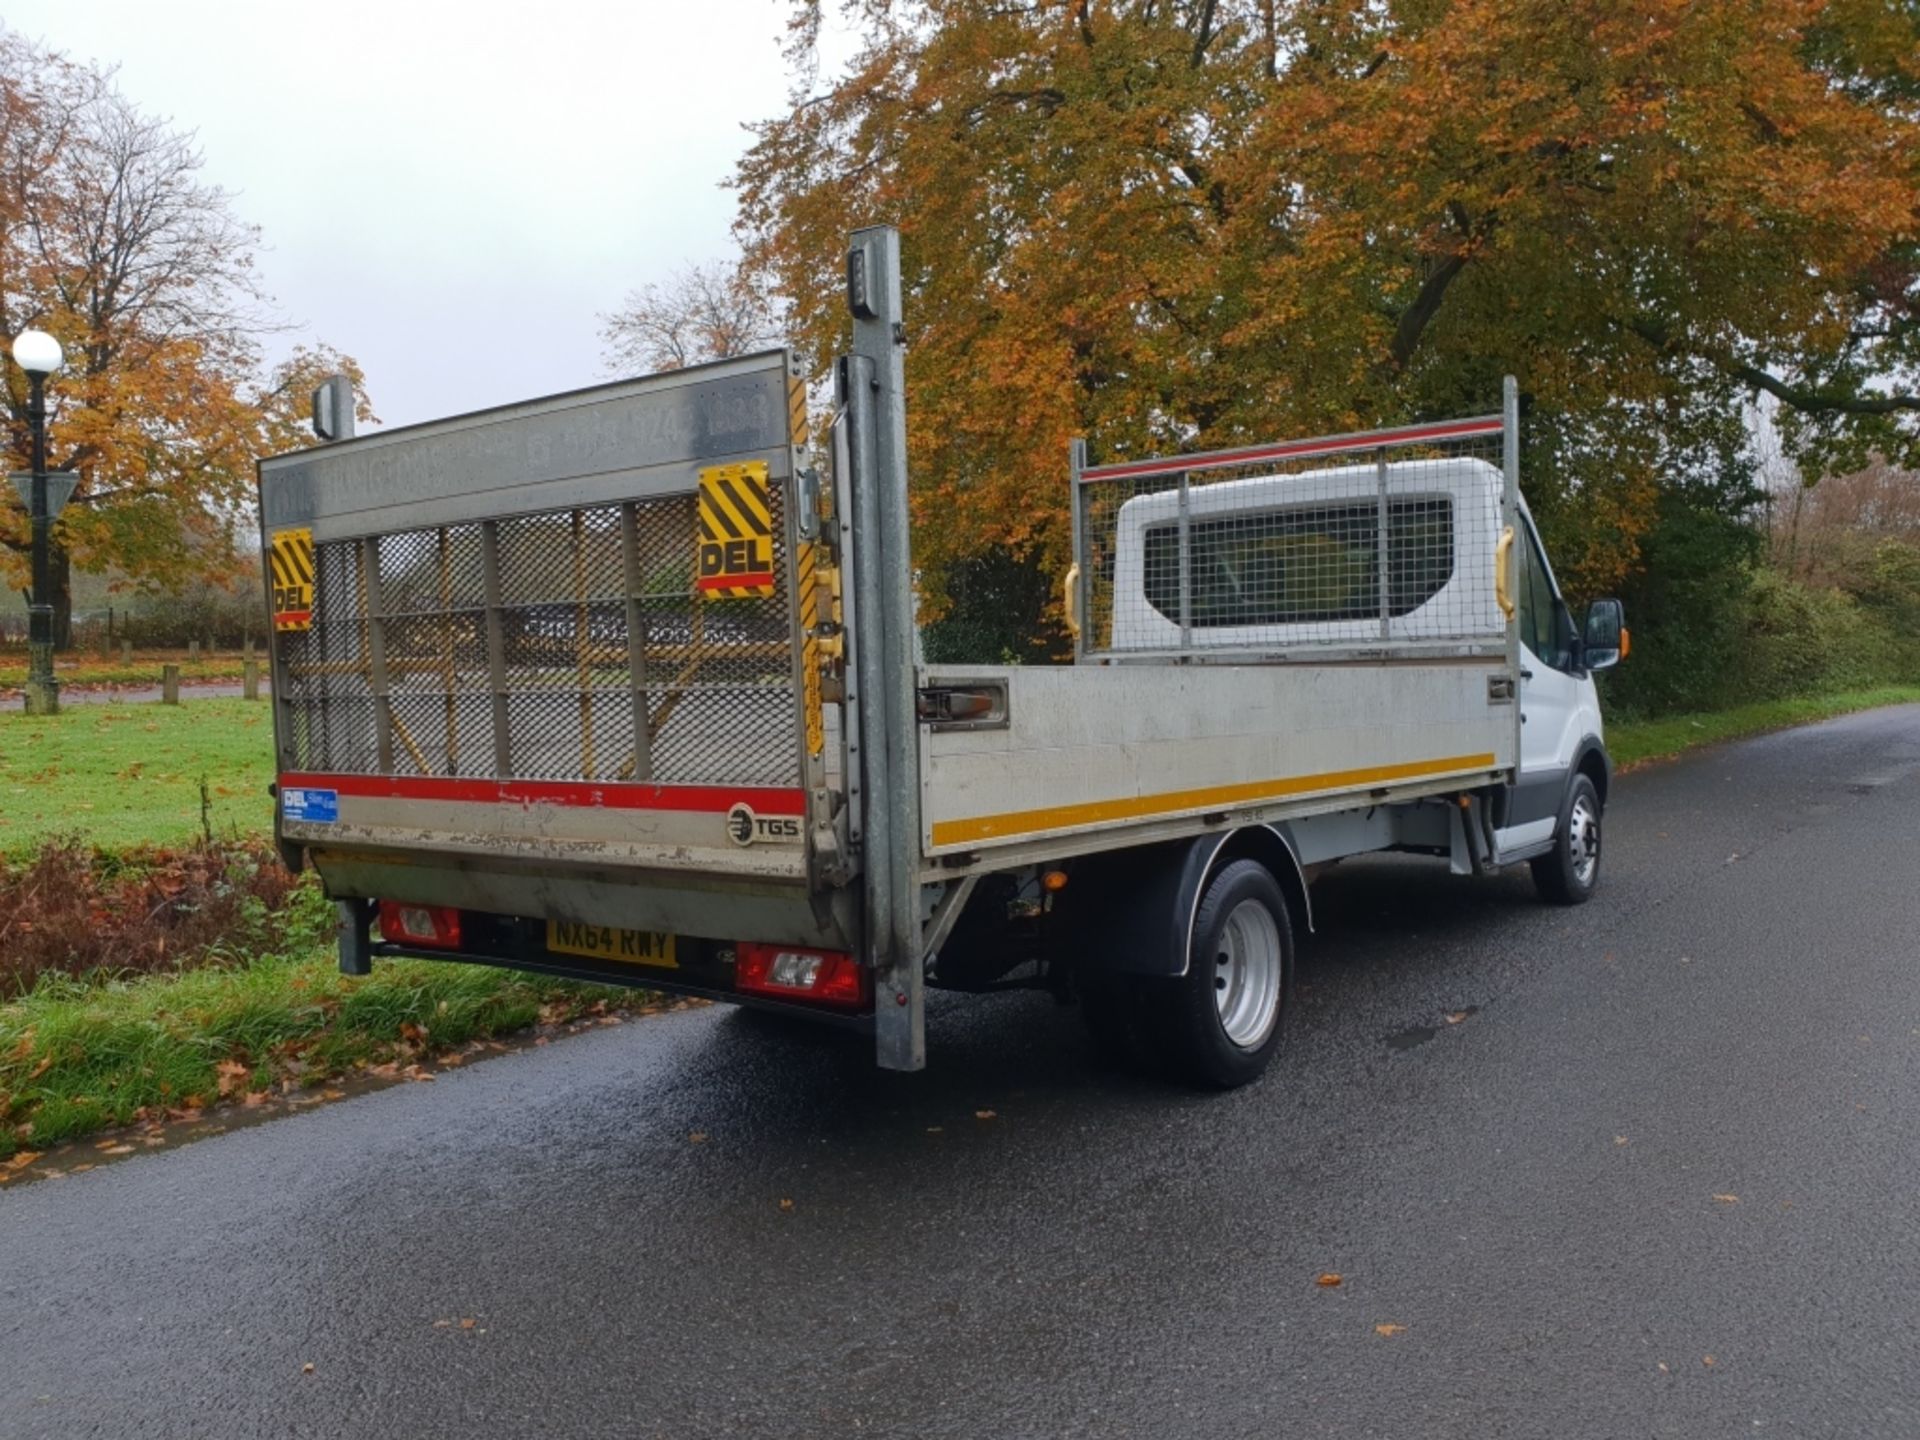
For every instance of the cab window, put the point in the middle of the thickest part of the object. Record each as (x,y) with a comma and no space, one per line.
(1540,625)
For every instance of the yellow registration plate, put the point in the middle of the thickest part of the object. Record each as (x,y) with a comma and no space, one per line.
(603,942)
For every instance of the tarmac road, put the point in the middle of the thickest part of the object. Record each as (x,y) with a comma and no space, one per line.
(1663,1180)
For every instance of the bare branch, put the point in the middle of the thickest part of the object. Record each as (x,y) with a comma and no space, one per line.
(1433,289)
(1202,33)
(1811,399)
(702,313)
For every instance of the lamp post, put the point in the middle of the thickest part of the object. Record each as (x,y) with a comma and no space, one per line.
(39,354)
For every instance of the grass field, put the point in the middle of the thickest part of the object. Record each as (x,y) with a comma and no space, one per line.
(142,669)
(122,775)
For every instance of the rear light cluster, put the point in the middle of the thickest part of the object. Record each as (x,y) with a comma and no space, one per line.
(784,972)
(435,927)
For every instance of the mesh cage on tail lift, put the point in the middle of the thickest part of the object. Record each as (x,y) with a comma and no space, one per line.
(611,663)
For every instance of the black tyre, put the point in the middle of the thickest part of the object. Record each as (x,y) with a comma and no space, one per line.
(1219,1024)
(1568,873)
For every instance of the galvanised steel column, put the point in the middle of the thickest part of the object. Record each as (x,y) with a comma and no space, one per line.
(1510,518)
(889,711)
(868,747)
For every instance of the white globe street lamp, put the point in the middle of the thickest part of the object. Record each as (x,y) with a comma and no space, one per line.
(39,354)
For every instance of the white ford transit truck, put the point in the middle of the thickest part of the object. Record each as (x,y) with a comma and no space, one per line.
(623,684)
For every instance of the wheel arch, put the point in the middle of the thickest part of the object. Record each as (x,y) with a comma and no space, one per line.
(1136,907)
(1590,759)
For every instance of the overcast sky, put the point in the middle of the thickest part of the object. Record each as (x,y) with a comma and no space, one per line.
(453,192)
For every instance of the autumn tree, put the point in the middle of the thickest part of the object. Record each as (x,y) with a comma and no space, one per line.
(704,312)
(1178,224)
(111,240)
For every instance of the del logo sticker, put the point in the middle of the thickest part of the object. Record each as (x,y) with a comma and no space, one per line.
(290,556)
(320,807)
(736,532)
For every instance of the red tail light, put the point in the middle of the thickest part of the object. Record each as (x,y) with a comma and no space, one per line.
(434,927)
(786,972)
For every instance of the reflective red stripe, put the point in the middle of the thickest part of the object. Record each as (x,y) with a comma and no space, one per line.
(704,799)
(1333,445)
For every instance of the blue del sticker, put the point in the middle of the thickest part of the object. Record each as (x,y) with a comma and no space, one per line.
(321,807)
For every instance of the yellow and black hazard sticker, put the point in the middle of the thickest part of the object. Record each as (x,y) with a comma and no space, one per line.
(291,555)
(808,581)
(736,532)
(796,412)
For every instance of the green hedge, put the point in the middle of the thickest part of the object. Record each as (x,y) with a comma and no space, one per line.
(1757,635)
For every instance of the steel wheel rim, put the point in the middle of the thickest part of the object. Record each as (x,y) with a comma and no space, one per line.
(1583,840)
(1247,968)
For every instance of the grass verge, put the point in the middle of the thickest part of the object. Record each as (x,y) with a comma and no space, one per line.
(142,669)
(1640,741)
(129,775)
(78,1056)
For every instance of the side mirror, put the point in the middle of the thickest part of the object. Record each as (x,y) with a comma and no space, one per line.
(1604,637)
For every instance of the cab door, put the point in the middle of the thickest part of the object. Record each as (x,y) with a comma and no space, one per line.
(1550,700)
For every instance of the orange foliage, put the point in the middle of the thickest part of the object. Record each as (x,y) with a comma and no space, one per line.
(1168,226)
(110,240)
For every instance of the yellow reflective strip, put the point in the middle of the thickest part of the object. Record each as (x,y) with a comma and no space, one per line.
(1212,797)
(810,688)
(797,411)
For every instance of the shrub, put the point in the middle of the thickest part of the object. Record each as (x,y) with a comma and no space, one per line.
(1801,640)
(70,910)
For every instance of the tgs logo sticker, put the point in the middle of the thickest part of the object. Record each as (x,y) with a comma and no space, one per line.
(745,827)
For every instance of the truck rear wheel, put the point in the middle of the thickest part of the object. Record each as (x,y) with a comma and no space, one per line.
(1221,1020)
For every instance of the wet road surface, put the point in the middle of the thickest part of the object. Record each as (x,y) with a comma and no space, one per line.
(1658,1175)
